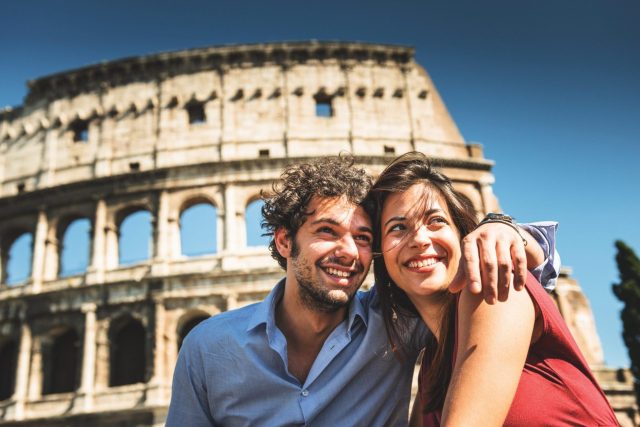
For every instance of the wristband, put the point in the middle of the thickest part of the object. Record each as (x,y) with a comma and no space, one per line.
(502,219)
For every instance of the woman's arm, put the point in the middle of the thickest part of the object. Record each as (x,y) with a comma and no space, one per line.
(493,341)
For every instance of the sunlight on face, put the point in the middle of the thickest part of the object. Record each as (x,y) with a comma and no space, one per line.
(420,242)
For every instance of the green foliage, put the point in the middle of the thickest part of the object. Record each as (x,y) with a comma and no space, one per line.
(628,291)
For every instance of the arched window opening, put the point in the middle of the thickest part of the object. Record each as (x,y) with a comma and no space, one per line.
(188,326)
(127,353)
(198,230)
(253,217)
(62,371)
(134,244)
(8,360)
(75,248)
(18,263)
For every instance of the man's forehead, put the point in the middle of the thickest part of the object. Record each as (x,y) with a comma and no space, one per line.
(339,209)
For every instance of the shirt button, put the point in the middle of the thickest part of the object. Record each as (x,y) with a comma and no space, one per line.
(305,393)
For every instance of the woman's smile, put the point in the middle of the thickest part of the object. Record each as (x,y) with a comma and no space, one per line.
(420,243)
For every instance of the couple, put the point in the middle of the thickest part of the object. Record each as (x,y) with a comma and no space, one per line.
(315,350)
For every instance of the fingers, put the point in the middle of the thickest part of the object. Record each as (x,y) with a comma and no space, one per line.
(472,263)
(503,253)
(487,249)
(519,257)
(493,257)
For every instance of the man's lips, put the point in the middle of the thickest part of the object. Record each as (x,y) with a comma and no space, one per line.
(342,274)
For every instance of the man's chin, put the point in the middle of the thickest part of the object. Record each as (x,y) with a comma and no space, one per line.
(340,296)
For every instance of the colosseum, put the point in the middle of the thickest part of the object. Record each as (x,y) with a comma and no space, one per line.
(165,133)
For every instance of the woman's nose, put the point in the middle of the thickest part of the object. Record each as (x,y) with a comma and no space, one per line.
(421,236)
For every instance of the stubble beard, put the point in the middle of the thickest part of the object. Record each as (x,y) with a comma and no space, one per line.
(312,294)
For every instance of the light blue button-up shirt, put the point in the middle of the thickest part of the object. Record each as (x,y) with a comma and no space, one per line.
(232,371)
(232,368)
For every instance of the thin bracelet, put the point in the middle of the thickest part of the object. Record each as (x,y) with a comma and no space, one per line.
(515,227)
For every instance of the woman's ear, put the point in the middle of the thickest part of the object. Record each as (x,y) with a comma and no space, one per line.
(283,242)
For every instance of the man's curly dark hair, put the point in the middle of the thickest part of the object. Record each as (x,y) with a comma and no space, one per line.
(286,205)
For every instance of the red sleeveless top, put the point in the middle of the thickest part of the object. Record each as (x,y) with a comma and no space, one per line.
(556,386)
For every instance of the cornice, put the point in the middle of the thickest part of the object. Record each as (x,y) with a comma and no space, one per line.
(162,65)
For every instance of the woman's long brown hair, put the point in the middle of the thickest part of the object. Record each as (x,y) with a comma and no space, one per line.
(397,310)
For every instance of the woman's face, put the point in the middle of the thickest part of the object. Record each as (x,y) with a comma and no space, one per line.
(421,252)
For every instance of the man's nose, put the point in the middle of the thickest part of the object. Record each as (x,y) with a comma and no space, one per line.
(347,248)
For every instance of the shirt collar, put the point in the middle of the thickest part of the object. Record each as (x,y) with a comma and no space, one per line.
(266,310)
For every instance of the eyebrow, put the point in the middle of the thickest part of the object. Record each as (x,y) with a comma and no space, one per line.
(404,218)
(337,224)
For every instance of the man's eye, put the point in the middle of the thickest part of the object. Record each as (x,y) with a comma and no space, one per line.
(364,238)
(326,230)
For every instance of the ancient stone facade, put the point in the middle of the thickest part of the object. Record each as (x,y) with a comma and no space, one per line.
(163,133)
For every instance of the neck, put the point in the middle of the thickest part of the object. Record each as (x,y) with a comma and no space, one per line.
(431,309)
(305,330)
(298,322)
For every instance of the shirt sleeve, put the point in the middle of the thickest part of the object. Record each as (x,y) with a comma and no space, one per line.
(189,404)
(545,234)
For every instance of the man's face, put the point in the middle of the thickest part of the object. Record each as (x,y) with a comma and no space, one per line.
(331,253)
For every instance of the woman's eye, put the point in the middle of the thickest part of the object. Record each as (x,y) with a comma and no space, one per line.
(397,227)
(438,220)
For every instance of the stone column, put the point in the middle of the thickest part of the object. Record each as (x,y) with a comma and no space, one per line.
(111,246)
(22,374)
(35,369)
(175,249)
(39,249)
(160,374)
(102,368)
(232,301)
(162,228)
(229,222)
(89,355)
(98,249)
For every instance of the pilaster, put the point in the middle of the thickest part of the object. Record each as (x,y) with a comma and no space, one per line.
(98,249)
(22,374)
(89,355)
(39,250)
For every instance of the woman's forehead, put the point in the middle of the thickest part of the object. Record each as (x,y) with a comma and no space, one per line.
(416,200)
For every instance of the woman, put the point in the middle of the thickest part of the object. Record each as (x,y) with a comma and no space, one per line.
(513,363)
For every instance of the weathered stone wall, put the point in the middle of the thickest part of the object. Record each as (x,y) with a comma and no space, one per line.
(104,141)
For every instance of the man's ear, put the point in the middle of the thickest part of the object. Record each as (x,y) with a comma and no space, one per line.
(283,242)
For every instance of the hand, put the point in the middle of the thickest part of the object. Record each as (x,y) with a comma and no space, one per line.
(492,255)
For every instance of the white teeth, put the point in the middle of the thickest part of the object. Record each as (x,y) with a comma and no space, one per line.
(422,263)
(336,272)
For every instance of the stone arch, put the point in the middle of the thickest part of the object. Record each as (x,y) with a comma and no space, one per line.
(61,361)
(187,322)
(253,219)
(135,225)
(127,351)
(8,366)
(74,237)
(16,253)
(198,226)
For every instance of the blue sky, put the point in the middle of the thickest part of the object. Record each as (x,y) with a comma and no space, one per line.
(550,88)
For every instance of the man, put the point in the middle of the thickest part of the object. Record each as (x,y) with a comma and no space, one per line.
(315,350)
